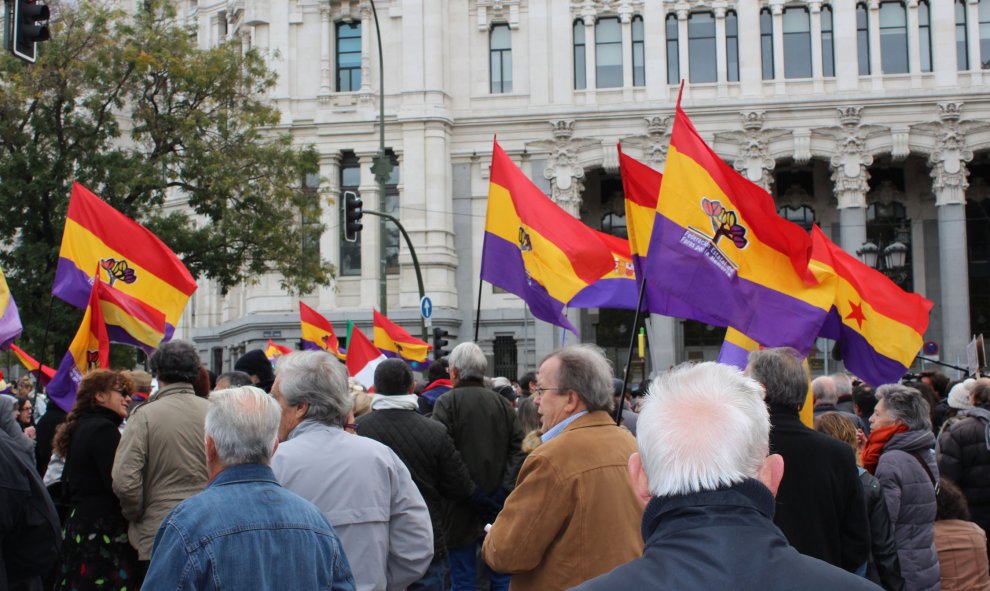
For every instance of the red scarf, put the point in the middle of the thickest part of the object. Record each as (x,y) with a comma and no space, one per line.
(870,455)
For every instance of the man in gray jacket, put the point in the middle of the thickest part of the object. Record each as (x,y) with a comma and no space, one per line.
(360,485)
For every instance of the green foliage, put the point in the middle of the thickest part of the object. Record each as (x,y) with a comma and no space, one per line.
(130,106)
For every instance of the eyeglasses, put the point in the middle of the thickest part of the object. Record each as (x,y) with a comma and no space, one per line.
(538,390)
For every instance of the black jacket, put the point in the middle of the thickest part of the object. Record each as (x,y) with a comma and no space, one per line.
(820,505)
(884,567)
(486,431)
(44,434)
(964,459)
(89,462)
(426,449)
(722,539)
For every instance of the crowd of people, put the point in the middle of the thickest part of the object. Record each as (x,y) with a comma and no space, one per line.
(293,476)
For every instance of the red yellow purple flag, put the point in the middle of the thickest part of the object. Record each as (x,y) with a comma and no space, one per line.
(274,351)
(362,357)
(42,372)
(89,349)
(394,341)
(318,333)
(130,258)
(878,325)
(718,243)
(618,287)
(533,248)
(10,320)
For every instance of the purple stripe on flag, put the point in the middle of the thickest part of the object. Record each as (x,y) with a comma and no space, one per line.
(62,389)
(118,334)
(613,292)
(502,265)
(733,354)
(10,324)
(311,346)
(766,315)
(859,357)
(663,302)
(414,365)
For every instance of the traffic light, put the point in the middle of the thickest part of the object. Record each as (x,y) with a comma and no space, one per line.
(27,25)
(352,216)
(439,342)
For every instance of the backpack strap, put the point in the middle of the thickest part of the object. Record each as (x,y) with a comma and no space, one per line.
(928,471)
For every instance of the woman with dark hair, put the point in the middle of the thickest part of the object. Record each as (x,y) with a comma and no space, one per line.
(964,454)
(95,551)
(25,416)
(961,544)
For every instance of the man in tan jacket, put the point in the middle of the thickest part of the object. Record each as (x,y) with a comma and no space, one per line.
(573,514)
(160,460)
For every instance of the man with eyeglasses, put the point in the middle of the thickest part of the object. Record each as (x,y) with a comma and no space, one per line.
(573,514)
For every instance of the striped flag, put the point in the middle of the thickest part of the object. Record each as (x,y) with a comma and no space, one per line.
(394,341)
(318,333)
(362,356)
(10,320)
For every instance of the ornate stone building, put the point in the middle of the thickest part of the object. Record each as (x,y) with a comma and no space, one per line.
(869,118)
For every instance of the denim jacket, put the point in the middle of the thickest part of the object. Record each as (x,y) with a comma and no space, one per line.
(247,532)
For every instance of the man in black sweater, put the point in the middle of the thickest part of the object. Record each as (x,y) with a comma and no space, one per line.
(820,506)
(424,447)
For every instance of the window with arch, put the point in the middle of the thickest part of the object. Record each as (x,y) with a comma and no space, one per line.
(615,224)
(893,38)
(732,46)
(863,38)
(925,35)
(580,57)
(828,43)
(673,52)
(984,16)
(962,36)
(766,43)
(886,223)
(797,42)
(608,53)
(638,52)
(348,57)
(701,47)
(500,59)
(802,215)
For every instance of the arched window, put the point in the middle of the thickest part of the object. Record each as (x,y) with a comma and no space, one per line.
(925,35)
(615,224)
(766,43)
(701,46)
(887,223)
(802,215)
(580,57)
(828,43)
(608,53)
(893,38)
(638,52)
(863,38)
(673,53)
(732,46)
(797,42)
(500,52)
(348,57)
(984,13)
(962,36)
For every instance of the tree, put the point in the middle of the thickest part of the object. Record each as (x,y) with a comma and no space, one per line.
(179,138)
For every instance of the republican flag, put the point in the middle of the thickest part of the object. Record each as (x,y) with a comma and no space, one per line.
(10,320)
(393,340)
(130,258)
(533,248)
(615,289)
(878,325)
(129,320)
(274,351)
(317,332)
(43,372)
(362,357)
(90,349)
(718,243)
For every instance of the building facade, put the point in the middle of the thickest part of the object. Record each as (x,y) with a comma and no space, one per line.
(870,118)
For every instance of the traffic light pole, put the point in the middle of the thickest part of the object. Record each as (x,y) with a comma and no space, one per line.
(382,169)
(415,259)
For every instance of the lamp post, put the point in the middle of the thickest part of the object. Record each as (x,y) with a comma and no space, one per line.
(891,260)
(381,167)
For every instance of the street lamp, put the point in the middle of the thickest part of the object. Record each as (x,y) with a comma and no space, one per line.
(891,260)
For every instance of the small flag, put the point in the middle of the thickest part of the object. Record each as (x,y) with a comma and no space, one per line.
(42,372)
(274,351)
(10,320)
(394,341)
(318,333)
(89,349)
(362,356)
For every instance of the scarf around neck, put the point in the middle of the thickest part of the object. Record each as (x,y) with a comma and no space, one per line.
(870,455)
(400,401)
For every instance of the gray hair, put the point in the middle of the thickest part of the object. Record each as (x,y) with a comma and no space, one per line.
(702,427)
(906,405)
(317,378)
(175,361)
(782,374)
(243,424)
(236,378)
(823,389)
(469,361)
(843,384)
(585,369)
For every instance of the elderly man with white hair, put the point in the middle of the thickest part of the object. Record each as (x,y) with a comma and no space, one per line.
(360,485)
(226,536)
(704,472)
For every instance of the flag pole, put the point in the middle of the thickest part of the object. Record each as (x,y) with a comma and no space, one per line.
(632,344)
(477,313)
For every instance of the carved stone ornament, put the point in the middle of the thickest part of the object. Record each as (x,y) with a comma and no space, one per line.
(753,160)
(655,142)
(493,11)
(850,157)
(563,167)
(593,9)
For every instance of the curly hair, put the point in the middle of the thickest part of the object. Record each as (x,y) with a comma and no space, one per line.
(950,502)
(93,383)
(838,426)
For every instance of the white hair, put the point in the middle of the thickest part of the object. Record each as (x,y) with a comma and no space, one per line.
(243,424)
(702,427)
(318,378)
(824,391)
(469,361)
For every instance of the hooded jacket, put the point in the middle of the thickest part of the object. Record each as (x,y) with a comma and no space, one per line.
(964,458)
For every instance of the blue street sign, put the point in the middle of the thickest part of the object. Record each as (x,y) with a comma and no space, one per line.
(426,307)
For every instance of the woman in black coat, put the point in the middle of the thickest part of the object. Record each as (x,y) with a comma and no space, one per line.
(95,551)
(964,454)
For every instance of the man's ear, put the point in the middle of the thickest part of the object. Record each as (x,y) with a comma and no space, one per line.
(211,451)
(637,477)
(771,472)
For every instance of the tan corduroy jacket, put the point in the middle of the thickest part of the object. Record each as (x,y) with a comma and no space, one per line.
(161,461)
(573,514)
(962,555)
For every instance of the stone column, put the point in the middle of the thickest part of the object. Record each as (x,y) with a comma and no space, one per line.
(331,217)
(973,34)
(721,69)
(326,40)
(563,170)
(777,12)
(815,8)
(876,65)
(914,44)
(371,232)
(590,58)
(625,18)
(850,178)
(944,65)
(367,26)
(682,43)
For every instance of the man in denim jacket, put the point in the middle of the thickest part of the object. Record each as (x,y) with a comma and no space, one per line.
(226,536)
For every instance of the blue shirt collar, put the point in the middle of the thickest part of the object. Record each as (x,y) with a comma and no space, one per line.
(244,473)
(559,427)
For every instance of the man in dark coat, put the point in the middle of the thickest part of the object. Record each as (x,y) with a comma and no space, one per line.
(820,505)
(487,433)
(424,447)
(705,475)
